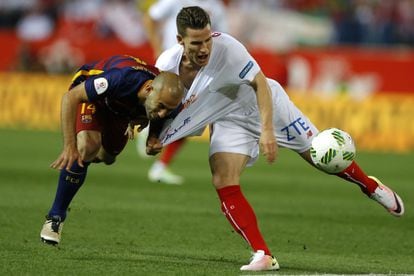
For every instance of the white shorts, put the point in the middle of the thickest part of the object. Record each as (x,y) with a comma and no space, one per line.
(239,131)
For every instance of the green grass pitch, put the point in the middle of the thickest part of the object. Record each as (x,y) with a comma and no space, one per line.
(120,224)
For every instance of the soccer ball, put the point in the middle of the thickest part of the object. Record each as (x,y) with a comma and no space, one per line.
(333,150)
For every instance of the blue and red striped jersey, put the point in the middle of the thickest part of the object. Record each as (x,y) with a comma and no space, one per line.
(115,82)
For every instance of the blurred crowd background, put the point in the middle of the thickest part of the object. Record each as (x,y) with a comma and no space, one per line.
(58,35)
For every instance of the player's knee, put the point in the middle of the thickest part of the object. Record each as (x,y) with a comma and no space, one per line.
(221,180)
(307,157)
(109,159)
(88,153)
(88,147)
(105,157)
(226,168)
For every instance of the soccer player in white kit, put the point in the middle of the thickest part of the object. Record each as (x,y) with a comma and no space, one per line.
(162,34)
(261,115)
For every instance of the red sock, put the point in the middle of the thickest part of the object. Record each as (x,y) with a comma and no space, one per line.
(241,216)
(171,150)
(355,175)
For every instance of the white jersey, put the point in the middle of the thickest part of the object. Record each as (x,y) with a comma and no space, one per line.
(222,83)
(221,95)
(166,11)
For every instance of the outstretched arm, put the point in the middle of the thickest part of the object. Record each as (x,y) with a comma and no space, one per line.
(70,102)
(264,101)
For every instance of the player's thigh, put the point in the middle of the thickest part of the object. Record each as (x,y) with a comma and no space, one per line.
(293,129)
(114,139)
(88,143)
(88,130)
(233,135)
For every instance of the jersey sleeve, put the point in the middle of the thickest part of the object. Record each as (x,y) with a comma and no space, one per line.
(242,65)
(238,66)
(103,85)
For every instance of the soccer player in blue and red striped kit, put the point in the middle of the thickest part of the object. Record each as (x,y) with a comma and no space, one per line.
(105,101)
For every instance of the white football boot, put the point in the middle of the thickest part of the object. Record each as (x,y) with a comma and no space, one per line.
(51,230)
(388,198)
(261,262)
(160,173)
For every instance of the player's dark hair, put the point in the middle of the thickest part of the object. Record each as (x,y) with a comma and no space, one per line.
(192,17)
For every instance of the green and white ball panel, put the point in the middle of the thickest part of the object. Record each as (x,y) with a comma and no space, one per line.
(333,150)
